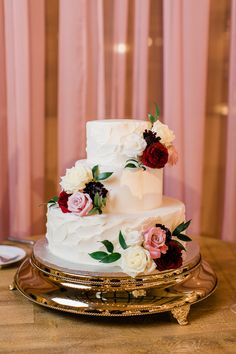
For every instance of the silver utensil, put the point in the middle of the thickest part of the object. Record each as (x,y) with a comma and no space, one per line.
(28,242)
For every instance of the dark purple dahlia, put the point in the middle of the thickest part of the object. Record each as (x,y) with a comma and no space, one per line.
(95,187)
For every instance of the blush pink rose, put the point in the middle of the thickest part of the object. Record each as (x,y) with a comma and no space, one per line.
(172,155)
(80,203)
(154,241)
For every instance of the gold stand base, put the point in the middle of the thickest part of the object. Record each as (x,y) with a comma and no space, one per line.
(116,295)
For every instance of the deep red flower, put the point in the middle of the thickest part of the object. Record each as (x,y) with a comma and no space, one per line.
(62,201)
(172,259)
(155,155)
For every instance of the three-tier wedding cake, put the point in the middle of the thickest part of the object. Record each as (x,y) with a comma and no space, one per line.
(111,209)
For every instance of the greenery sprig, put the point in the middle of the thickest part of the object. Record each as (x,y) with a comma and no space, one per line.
(179,229)
(132,163)
(110,256)
(97,176)
(152,118)
(53,201)
(99,202)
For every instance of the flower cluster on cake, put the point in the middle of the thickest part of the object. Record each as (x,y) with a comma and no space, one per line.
(120,217)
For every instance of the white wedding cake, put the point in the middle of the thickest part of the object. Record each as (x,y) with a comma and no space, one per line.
(111,209)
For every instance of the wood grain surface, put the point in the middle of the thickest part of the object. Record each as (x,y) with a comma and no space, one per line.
(29,328)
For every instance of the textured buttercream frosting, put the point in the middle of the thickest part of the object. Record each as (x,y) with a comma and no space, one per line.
(107,140)
(72,237)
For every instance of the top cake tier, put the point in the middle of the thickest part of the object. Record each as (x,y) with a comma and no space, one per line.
(108,140)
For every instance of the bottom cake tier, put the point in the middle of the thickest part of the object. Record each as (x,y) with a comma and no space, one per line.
(50,282)
(74,238)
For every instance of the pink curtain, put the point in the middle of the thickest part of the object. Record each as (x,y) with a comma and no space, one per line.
(185,68)
(22,113)
(141,30)
(228,229)
(81,75)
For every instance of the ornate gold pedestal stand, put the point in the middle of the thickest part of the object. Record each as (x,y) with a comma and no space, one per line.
(46,282)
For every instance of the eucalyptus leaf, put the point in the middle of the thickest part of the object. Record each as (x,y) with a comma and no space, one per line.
(122,241)
(109,246)
(113,257)
(95,171)
(103,176)
(181,227)
(183,237)
(99,255)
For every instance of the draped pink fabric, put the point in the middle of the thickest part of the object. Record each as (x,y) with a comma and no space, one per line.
(81,74)
(23,49)
(185,67)
(141,30)
(4,191)
(228,229)
(118,77)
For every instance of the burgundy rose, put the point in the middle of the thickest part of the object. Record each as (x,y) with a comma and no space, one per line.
(155,155)
(172,259)
(63,202)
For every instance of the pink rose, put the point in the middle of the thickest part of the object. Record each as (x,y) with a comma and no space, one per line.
(80,203)
(154,241)
(172,155)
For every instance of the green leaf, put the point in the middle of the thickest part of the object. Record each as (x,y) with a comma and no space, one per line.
(181,246)
(104,201)
(95,171)
(53,200)
(103,176)
(99,255)
(181,227)
(151,118)
(157,111)
(131,165)
(109,246)
(133,160)
(122,241)
(183,237)
(111,258)
(96,200)
(94,211)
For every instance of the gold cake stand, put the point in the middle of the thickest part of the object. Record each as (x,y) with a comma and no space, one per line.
(50,282)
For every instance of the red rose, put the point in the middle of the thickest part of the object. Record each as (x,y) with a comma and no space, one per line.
(62,201)
(172,259)
(155,155)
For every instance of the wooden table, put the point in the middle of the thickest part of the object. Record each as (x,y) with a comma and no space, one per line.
(29,328)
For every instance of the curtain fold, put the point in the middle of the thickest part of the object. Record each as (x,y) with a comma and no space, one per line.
(24,85)
(228,227)
(140,58)
(81,75)
(185,68)
(118,75)
(4,191)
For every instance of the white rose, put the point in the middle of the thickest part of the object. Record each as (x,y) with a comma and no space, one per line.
(134,145)
(167,135)
(76,178)
(136,260)
(133,238)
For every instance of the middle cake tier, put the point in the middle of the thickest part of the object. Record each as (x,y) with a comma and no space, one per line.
(73,238)
(131,190)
